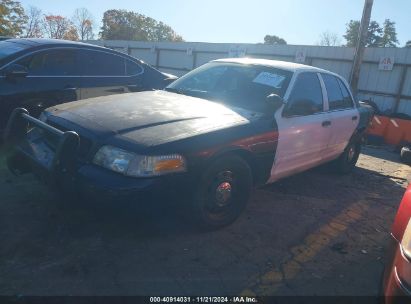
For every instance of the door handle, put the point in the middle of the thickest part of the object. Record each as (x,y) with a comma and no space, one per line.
(326,123)
(354,117)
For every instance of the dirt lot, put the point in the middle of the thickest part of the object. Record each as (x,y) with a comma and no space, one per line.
(312,234)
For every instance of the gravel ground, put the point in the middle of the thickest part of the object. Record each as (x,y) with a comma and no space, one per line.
(315,233)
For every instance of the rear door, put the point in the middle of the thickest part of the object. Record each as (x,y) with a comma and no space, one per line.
(304,127)
(135,73)
(344,114)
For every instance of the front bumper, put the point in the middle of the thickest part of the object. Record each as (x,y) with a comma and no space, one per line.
(61,169)
(98,183)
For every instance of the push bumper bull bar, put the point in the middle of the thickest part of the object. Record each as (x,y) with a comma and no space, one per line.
(24,152)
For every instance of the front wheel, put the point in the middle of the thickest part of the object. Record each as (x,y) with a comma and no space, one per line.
(346,162)
(222,192)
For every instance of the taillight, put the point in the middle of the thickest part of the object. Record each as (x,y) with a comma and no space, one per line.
(406,240)
(402,219)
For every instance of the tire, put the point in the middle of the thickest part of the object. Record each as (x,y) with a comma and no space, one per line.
(222,193)
(406,155)
(347,161)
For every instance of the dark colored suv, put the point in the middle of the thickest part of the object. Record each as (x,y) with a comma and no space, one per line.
(38,73)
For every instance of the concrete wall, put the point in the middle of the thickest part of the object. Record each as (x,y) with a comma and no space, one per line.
(390,90)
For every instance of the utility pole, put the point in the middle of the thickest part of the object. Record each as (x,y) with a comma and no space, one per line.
(359,49)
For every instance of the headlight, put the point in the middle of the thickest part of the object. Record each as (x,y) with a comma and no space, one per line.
(131,164)
(113,158)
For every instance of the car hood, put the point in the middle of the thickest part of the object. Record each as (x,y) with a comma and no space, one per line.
(148,118)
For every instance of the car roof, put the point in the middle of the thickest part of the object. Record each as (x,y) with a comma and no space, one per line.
(285,65)
(38,42)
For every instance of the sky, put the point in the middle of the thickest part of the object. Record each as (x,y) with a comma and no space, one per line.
(238,21)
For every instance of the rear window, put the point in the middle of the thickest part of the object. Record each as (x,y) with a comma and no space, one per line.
(337,97)
(8,48)
(133,68)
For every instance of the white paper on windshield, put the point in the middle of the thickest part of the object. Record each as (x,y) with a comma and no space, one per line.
(269,79)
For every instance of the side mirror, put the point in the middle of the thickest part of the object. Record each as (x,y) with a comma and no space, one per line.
(16,71)
(274,102)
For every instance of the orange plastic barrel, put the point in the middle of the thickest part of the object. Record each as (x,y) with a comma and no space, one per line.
(378,125)
(395,132)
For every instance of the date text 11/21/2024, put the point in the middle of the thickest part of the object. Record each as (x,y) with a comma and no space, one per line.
(239,299)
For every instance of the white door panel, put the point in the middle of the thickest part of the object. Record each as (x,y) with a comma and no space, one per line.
(344,123)
(301,143)
(344,116)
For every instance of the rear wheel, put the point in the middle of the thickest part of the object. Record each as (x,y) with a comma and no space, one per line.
(346,162)
(222,192)
(406,155)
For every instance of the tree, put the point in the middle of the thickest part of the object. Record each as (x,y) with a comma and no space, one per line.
(374,34)
(83,22)
(164,32)
(329,39)
(56,26)
(128,25)
(33,27)
(408,43)
(71,34)
(377,36)
(273,39)
(389,35)
(353,30)
(351,33)
(12,18)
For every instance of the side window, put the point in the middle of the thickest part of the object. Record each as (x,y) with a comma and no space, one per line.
(336,99)
(98,63)
(306,97)
(133,68)
(57,62)
(346,95)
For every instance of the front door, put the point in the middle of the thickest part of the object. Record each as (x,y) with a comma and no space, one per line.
(51,79)
(304,128)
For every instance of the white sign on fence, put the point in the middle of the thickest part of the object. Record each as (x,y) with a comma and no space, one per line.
(300,56)
(236,52)
(386,63)
(190,51)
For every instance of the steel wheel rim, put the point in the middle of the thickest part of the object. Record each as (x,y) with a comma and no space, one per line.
(351,153)
(220,194)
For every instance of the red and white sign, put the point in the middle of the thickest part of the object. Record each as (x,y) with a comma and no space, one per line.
(386,63)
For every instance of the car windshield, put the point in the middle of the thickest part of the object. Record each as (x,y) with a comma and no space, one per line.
(8,48)
(238,85)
